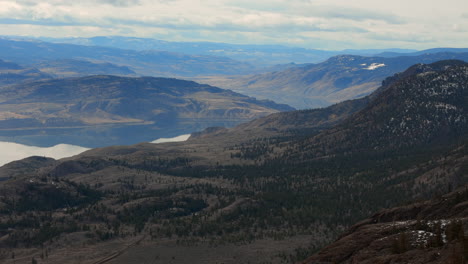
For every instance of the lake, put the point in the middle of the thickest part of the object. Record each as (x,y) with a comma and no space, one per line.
(14,151)
(102,136)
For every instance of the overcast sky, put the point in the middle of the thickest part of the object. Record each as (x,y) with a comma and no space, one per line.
(324,24)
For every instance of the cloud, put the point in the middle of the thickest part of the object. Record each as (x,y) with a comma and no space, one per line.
(232,19)
(121,3)
(319,10)
(412,38)
(42,22)
(357,22)
(358,15)
(253,23)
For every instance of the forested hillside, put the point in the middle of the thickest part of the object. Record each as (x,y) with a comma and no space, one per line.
(407,141)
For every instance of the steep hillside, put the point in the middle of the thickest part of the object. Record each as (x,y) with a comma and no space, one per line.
(422,109)
(286,125)
(98,100)
(309,122)
(338,79)
(24,167)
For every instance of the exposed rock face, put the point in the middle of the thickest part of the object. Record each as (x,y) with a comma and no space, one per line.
(423,232)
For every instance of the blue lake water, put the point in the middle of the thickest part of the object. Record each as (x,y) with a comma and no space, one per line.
(66,142)
(101,136)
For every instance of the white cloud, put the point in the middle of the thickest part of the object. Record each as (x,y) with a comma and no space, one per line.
(357,23)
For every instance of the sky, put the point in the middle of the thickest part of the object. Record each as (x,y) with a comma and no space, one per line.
(321,24)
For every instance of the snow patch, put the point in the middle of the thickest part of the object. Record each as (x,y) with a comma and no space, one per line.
(445,106)
(422,237)
(14,151)
(374,66)
(174,139)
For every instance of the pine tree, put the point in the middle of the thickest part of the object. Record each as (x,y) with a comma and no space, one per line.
(400,244)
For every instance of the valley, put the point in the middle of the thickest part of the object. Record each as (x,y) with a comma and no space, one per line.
(299,178)
(233,132)
(75,110)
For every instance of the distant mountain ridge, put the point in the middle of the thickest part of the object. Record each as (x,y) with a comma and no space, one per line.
(266,54)
(338,79)
(260,55)
(427,51)
(77,68)
(5,65)
(155,63)
(12,73)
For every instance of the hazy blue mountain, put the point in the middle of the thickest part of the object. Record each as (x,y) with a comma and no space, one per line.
(260,55)
(376,52)
(155,63)
(338,79)
(396,53)
(7,65)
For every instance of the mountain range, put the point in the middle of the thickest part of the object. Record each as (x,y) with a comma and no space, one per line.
(422,52)
(260,55)
(284,185)
(45,120)
(339,78)
(28,52)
